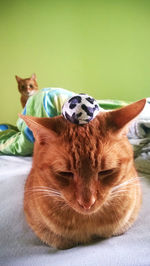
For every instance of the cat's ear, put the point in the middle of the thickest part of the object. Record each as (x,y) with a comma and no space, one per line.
(33,76)
(18,79)
(45,129)
(119,119)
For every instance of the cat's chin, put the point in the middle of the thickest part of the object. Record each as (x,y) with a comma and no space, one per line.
(83,211)
(32,92)
(29,93)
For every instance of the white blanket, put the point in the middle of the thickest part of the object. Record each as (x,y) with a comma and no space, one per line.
(139,134)
(20,247)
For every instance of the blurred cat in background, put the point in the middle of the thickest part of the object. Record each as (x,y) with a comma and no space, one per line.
(27,87)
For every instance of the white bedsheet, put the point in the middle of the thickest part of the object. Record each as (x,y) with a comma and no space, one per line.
(19,246)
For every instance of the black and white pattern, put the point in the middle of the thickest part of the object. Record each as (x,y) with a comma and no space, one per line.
(80,109)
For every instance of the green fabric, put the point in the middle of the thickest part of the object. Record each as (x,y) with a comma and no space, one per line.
(111,104)
(47,102)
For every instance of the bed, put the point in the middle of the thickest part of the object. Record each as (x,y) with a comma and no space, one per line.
(19,246)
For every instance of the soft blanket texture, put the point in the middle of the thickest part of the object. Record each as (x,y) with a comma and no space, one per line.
(139,137)
(20,247)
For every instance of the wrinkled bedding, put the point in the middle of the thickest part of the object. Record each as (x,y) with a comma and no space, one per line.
(20,247)
(46,102)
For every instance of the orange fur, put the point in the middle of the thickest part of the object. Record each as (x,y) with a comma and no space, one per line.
(83,183)
(26,88)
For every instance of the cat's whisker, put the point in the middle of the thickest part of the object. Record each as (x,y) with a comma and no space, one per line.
(115,195)
(43,192)
(123,189)
(57,198)
(42,196)
(43,189)
(119,191)
(126,183)
(40,190)
(49,188)
(47,195)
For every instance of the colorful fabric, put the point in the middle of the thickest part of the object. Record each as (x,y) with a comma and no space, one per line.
(19,140)
(47,102)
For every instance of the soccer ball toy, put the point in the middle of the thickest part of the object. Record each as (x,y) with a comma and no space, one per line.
(80,109)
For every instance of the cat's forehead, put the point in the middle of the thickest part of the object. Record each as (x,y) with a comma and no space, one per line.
(92,147)
(26,81)
(90,132)
(29,80)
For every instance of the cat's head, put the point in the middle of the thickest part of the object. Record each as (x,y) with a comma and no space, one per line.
(84,163)
(27,86)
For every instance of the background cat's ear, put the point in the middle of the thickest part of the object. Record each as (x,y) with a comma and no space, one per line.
(45,129)
(33,76)
(18,79)
(119,119)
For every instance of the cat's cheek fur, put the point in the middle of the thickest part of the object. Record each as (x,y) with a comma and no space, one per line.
(132,215)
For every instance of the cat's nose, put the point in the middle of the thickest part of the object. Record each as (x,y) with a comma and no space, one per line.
(87,205)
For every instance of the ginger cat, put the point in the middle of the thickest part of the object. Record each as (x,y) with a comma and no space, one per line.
(27,87)
(83,183)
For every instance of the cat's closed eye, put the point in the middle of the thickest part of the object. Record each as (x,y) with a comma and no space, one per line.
(66,174)
(106,173)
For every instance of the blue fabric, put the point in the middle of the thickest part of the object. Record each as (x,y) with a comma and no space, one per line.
(3,127)
(29,134)
(49,100)
(24,111)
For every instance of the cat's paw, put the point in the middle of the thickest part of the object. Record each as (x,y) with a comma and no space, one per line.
(64,244)
(57,241)
(122,230)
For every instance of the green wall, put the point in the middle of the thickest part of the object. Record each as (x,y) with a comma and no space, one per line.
(98,47)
